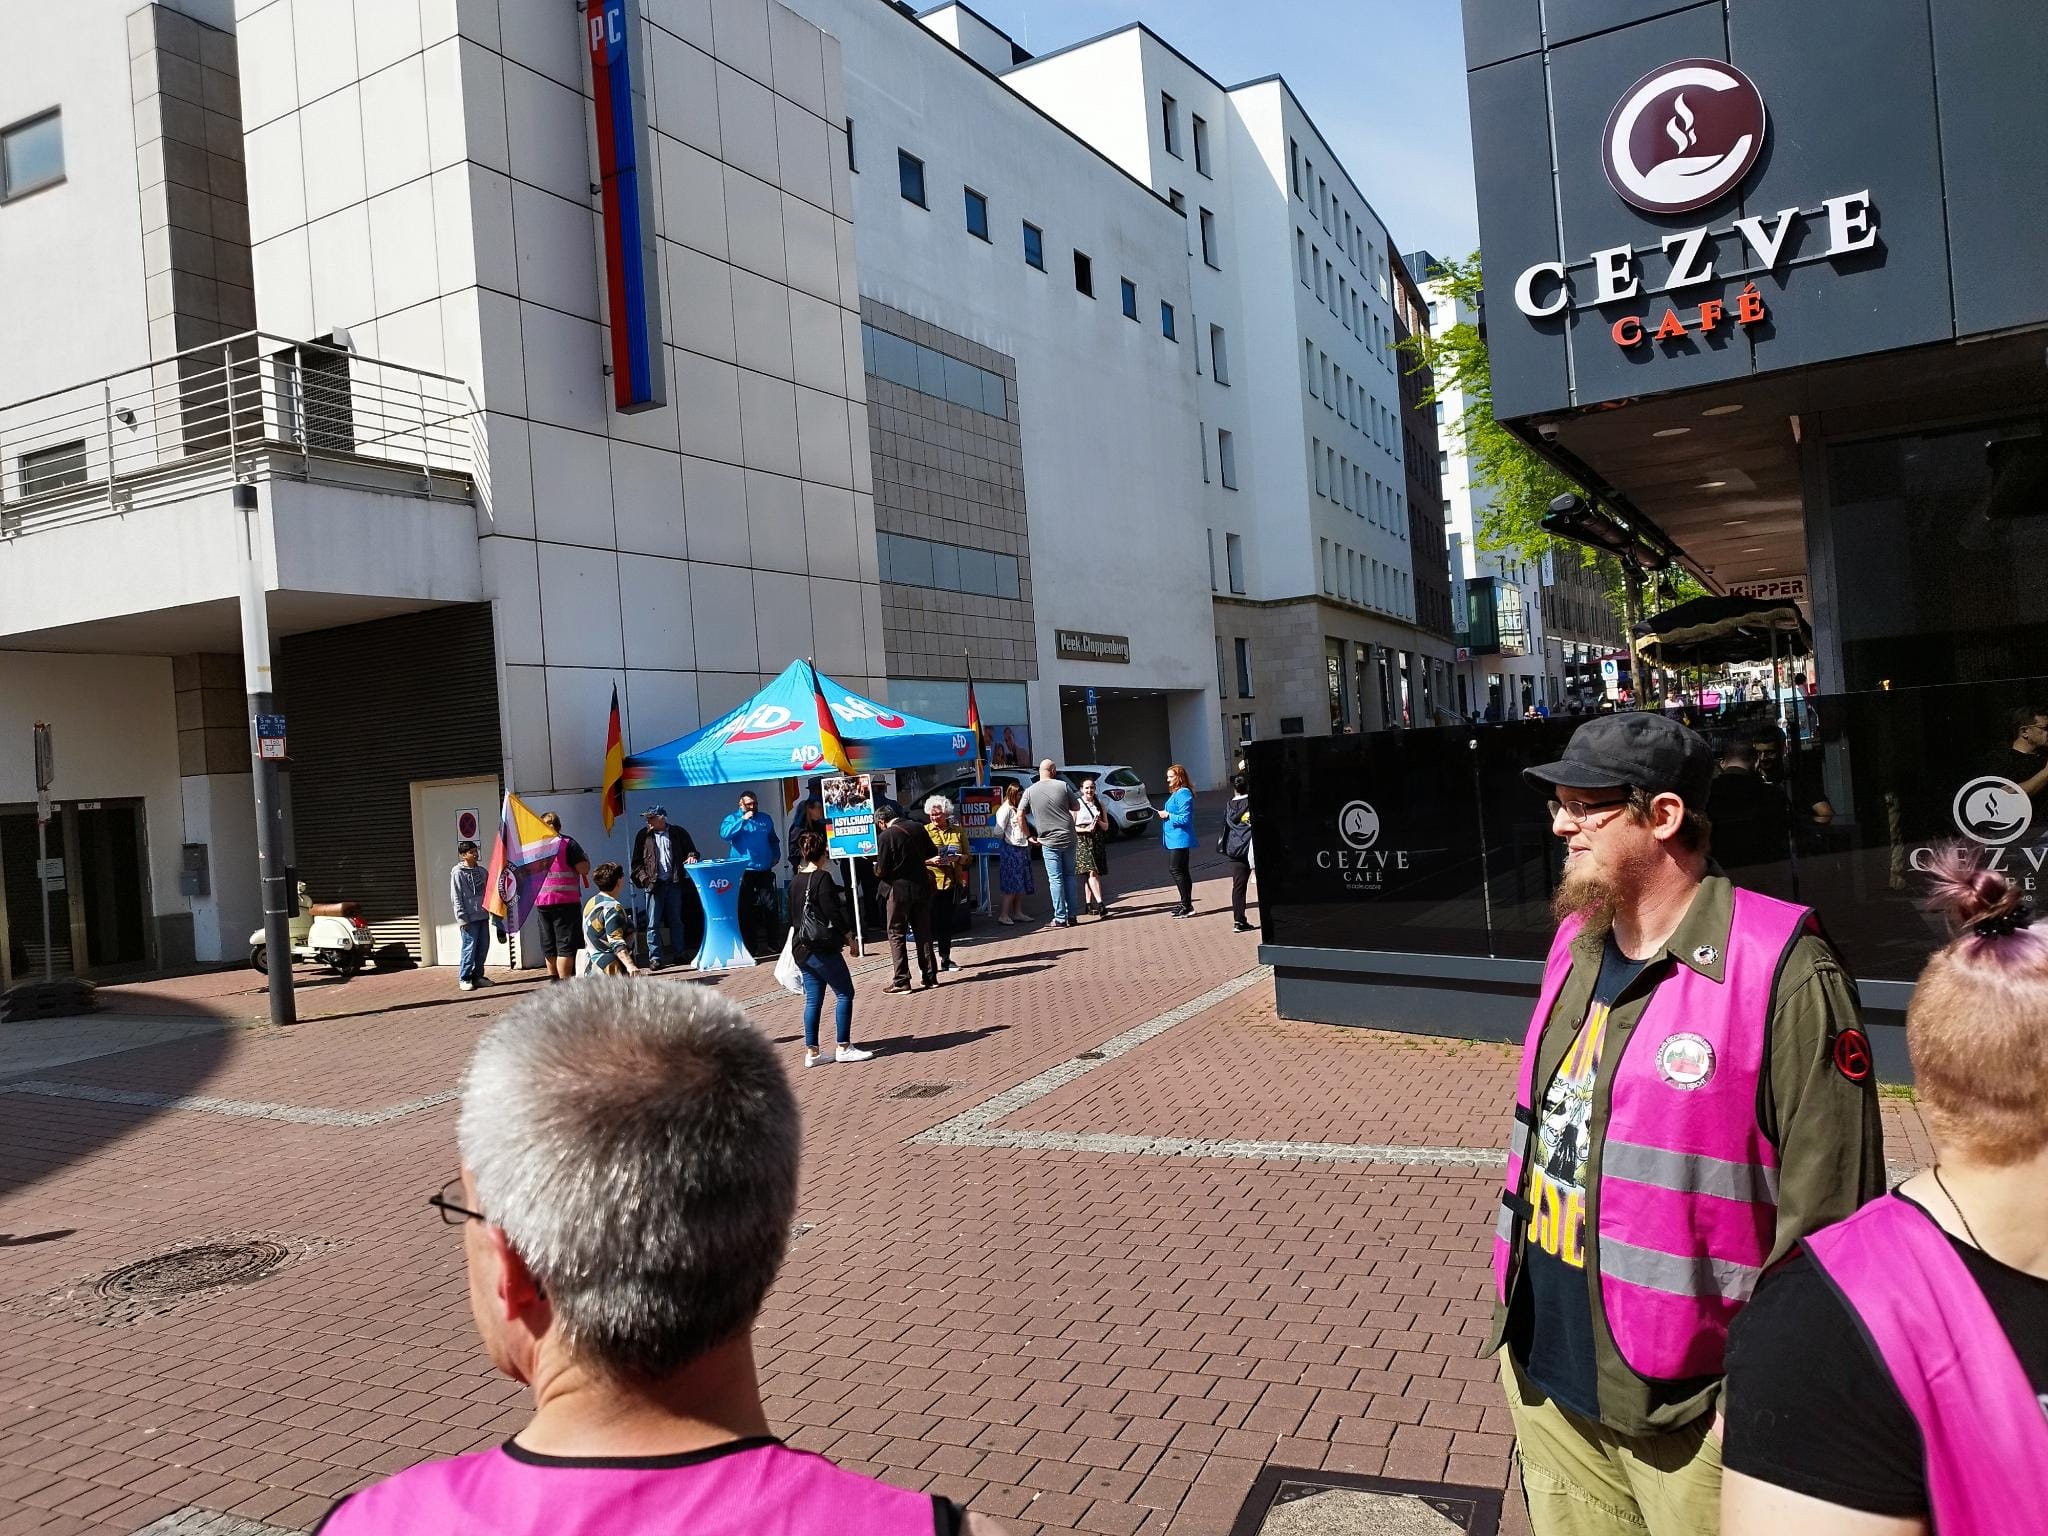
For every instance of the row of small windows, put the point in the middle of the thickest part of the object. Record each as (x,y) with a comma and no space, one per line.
(931,372)
(1344,395)
(31,155)
(1342,300)
(1169,127)
(1356,489)
(948,567)
(1314,191)
(911,182)
(1360,579)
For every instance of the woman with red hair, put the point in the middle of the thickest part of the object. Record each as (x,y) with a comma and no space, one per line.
(1890,1377)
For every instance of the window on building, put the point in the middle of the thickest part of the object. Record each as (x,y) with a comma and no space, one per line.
(1301,257)
(31,155)
(1244,668)
(1166,324)
(1443,462)
(977,214)
(1130,298)
(1202,437)
(1447,514)
(1201,133)
(1308,362)
(1226,458)
(849,148)
(1315,455)
(1219,354)
(1169,123)
(1316,264)
(1209,543)
(1034,246)
(1208,221)
(1084,274)
(1294,166)
(1233,563)
(910,177)
(51,469)
(1329,568)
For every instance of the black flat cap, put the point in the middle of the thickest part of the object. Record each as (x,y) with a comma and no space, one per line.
(1636,750)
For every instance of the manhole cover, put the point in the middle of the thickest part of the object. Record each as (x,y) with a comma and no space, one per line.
(1296,1501)
(207,1267)
(919,1091)
(1091,1056)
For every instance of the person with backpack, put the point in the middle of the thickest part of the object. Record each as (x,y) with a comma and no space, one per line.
(1236,845)
(818,925)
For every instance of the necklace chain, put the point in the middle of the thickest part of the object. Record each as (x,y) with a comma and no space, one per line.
(1967,1232)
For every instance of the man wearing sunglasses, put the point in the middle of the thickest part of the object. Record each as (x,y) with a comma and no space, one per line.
(629,1176)
(1695,1095)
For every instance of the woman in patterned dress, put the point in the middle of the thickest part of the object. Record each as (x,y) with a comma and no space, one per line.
(1091,848)
(1013,872)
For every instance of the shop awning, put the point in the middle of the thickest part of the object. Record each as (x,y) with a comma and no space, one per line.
(775,735)
(1711,631)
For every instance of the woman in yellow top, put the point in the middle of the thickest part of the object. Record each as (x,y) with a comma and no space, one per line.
(950,875)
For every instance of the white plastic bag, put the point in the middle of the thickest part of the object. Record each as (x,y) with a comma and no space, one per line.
(786,969)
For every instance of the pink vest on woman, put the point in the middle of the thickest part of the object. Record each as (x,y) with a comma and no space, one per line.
(1985,1432)
(560,887)
(1683,1211)
(756,1488)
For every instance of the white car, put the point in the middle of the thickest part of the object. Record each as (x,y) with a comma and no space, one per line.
(1121,791)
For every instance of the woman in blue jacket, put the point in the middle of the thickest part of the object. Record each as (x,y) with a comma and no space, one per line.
(1177,833)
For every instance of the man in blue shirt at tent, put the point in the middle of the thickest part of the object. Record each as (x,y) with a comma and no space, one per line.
(750,833)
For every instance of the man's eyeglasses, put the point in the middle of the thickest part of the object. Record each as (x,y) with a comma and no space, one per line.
(449,1203)
(1578,811)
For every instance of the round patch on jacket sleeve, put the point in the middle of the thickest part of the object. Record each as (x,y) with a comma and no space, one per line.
(1852,1055)
(1685,1061)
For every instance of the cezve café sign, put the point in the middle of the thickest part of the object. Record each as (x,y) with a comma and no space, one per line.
(1680,138)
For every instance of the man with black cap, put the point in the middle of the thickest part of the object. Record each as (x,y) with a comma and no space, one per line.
(1695,1095)
(659,853)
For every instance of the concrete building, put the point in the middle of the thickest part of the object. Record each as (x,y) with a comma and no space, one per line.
(1420,441)
(464,543)
(1033,364)
(1298,433)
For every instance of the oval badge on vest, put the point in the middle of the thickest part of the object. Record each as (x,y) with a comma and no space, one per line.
(1685,1061)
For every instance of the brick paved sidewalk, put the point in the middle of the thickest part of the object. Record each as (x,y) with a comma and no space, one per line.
(1100,1304)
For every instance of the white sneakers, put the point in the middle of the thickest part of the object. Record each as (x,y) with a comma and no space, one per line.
(844,1053)
(465,986)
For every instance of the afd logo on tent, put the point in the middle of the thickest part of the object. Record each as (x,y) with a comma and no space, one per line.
(851,708)
(761,723)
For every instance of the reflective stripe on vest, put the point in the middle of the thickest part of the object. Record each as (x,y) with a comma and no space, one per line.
(1681,1212)
(1984,1433)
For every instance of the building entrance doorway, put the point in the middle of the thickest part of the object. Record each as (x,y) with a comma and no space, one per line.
(97,891)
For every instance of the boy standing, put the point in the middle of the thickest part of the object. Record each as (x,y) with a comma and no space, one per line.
(466,891)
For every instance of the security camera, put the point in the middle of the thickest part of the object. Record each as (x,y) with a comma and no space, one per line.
(1548,432)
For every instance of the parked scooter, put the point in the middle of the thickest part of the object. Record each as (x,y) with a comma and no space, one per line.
(331,933)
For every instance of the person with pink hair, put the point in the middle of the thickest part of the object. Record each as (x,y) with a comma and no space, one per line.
(1890,1377)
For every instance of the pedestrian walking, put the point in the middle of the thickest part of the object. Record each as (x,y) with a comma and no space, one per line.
(952,878)
(819,922)
(629,1180)
(659,853)
(1013,862)
(1236,845)
(1092,827)
(903,858)
(1698,1047)
(558,907)
(750,834)
(1177,836)
(466,882)
(607,936)
(1048,806)
(1892,1374)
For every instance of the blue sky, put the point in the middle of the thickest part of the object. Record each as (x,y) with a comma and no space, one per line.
(1383,79)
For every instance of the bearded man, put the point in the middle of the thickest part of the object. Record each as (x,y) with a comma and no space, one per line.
(1696,1094)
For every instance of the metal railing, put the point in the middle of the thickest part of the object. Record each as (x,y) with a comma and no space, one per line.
(245,407)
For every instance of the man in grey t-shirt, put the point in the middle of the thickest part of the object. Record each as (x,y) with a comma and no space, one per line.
(1049,807)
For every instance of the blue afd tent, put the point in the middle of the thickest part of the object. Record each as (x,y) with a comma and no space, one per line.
(775,735)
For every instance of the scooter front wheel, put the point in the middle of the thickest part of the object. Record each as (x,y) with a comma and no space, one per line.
(259,957)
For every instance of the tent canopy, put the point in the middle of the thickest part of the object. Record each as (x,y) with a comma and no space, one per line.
(1708,631)
(774,735)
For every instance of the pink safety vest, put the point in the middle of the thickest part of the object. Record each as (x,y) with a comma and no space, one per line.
(1985,1434)
(559,887)
(1683,1212)
(757,1488)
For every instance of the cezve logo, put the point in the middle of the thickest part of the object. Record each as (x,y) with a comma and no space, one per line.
(1683,136)
(1993,811)
(1359,864)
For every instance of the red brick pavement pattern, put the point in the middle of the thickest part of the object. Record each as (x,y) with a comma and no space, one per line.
(1073,1342)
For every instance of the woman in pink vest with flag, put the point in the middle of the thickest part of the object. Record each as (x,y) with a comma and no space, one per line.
(1891,1377)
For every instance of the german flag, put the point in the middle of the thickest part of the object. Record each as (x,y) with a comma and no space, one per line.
(614,766)
(974,724)
(830,748)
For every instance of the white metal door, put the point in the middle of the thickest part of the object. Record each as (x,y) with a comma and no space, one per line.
(443,811)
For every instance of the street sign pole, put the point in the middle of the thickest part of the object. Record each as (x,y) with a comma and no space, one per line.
(265,752)
(46,772)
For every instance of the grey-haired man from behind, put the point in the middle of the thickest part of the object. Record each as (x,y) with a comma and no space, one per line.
(629,1176)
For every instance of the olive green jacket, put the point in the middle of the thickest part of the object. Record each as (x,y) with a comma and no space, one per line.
(1823,1124)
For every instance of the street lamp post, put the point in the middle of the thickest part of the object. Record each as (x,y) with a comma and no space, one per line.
(256,678)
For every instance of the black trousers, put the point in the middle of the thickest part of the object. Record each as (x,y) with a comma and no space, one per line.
(758,928)
(910,911)
(942,920)
(1240,877)
(1177,861)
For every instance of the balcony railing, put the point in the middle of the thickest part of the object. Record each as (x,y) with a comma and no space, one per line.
(248,407)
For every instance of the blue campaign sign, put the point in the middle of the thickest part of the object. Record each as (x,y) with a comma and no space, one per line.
(849,816)
(978,820)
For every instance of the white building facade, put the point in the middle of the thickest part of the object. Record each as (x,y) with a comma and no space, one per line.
(1298,430)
